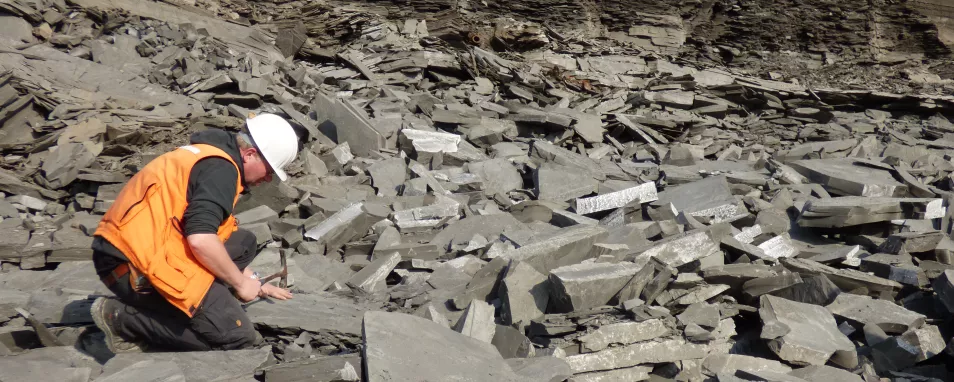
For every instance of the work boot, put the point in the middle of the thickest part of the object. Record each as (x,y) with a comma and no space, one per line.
(106,311)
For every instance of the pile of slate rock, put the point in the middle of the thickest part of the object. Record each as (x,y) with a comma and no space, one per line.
(462,214)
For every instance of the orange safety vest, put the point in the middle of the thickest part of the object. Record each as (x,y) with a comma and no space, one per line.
(145,224)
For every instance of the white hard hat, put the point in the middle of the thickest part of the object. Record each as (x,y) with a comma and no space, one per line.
(275,139)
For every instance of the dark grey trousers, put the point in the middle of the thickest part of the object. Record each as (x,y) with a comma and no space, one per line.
(219,323)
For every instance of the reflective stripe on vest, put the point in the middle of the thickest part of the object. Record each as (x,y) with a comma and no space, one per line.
(145,224)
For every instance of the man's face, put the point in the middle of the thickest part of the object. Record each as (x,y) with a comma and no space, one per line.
(257,170)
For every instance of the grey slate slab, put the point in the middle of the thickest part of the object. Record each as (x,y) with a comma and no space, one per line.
(370,279)
(558,155)
(642,193)
(864,310)
(623,333)
(317,313)
(843,177)
(339,368)
(558,183)
(637,354)
(401,347)
(499,176)
(579,287)
(822,373)
(147,370)
(198,366)
(905,350)
(541,369)
(944,287)
(846,279)
(477,322)
(347,224)
(524,294)
(709,197)
(804,334)
(566,247)
(855,210)
(716,364)
(388,175)
(13,369)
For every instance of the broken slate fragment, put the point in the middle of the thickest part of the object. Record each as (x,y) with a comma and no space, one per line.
(864,310)
(636,354)
(499,176)
(843,177)
(623,333)
(680,249)
(348,223)
(579,287)
(560,183)
(31,203)
(845,279)
(316,313)
(944,287)
(804,334)
(541,368)
(551,153)
(524,294)
(197,366)
(370,279)
(717,364)
(511,343)
(855,210)
(822,373)
(709,198)
(477,322)
(388,175)
(643,193)
(260,214)
(164,371)
(338,368)
(635,373)
(903,351)
(566,246)
(778,247)
(431,141)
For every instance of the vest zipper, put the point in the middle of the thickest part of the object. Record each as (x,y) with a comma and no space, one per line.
(145,194)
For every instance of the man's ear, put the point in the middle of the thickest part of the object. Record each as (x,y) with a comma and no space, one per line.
(244,153)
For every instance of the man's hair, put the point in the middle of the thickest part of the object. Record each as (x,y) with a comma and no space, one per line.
(244,141)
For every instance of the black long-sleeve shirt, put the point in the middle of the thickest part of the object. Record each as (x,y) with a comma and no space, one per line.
(210,194)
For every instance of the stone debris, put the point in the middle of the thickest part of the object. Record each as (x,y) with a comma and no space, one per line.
(576,194)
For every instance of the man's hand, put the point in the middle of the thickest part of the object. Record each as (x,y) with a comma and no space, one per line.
(275,292)
(248,290)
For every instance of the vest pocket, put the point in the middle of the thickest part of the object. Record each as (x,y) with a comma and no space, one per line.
(175,272)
